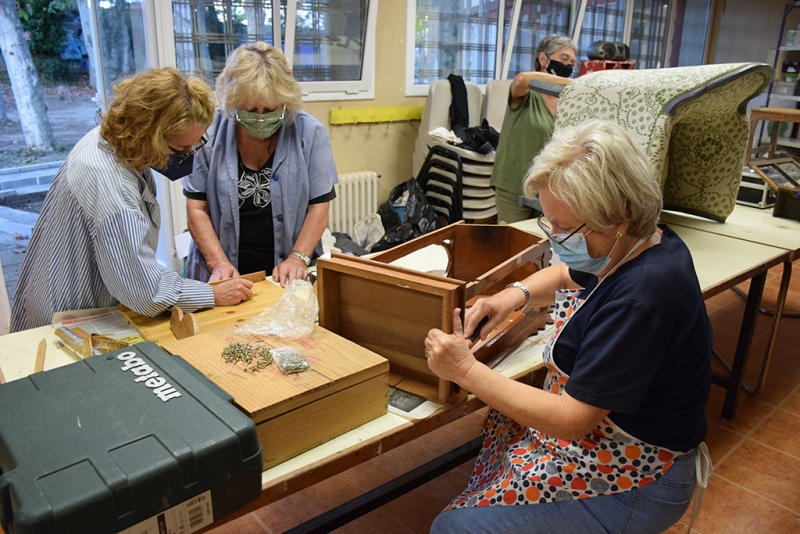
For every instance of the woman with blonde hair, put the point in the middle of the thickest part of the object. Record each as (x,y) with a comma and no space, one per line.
(259,193)
(95,239)
(612,441)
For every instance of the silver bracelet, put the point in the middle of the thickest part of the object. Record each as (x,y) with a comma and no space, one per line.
(303,257)
(524,289)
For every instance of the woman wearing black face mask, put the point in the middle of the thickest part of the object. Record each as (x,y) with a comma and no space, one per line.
(95,239)
(528,124)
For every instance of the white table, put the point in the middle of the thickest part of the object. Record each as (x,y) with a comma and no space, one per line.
(756,226)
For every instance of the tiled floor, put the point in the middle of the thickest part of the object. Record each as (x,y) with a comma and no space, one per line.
(756,456)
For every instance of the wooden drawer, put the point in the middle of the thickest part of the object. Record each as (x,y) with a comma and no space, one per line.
(390,309)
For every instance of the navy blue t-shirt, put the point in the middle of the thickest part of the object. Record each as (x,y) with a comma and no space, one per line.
(640,346)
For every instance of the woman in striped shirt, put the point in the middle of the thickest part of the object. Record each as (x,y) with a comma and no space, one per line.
(95,240)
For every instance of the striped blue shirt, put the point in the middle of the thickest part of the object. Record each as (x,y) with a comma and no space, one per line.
(94,244)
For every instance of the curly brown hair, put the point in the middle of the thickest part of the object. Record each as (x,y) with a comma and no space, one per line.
(150,108)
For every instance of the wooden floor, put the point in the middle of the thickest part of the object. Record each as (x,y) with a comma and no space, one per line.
(756,456)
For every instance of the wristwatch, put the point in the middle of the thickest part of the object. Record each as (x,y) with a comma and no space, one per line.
(304,257)
(524,289)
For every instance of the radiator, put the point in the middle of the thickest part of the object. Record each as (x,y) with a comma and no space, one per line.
(356,197)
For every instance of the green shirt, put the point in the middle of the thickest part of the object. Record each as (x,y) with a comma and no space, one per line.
(526,129)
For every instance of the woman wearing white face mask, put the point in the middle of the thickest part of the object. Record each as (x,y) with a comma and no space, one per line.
(609,444)
(259,192)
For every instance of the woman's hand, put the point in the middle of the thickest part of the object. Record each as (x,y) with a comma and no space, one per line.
(495,309)
(449,355)
(223,270)
(292,268)
(232,292)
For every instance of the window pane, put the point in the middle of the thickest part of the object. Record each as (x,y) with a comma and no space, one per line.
(537,19)
(648,34)
(329,40)
(121,38)
(604,21)
(207,31)
(455,37)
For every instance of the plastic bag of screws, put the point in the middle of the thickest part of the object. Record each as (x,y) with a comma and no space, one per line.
(290,360)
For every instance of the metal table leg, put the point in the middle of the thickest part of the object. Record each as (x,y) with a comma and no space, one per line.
(732,382)
(778,315)
(362,505)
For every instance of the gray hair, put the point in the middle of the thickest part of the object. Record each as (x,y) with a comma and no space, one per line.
(550,44)
(601,174)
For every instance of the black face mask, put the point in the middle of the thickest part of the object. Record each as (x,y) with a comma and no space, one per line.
(178,166)
(559,69)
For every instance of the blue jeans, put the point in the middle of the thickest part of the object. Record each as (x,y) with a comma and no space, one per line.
(653,508)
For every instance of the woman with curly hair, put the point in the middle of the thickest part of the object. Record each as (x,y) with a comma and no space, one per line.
(95,240)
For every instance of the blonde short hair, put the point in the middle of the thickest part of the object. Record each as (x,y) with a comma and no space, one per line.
(150,108)
(258,71)
(601,174)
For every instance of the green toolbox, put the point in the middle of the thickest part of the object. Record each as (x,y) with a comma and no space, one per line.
(134,441)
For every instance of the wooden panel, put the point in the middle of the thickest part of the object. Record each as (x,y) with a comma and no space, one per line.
(336,364)
(157,329)
(312,424)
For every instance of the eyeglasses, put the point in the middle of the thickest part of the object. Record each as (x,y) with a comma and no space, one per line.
(547,228)
(185,155)
(241,120)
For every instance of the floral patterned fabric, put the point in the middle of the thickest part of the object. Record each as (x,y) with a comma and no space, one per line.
(690,121)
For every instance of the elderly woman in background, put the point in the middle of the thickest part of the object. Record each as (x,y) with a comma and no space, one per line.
(528,124)
(95,239)
(610,443)
(259,193)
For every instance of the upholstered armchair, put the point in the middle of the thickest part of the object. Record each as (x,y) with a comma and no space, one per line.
(692,123)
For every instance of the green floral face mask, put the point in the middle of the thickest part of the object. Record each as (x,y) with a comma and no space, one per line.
(260,125)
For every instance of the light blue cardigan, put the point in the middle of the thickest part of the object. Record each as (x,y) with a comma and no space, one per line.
(303,169)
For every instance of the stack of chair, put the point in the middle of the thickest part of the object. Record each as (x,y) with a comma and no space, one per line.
(455,180)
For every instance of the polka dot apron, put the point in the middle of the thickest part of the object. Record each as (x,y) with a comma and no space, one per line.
(520,465)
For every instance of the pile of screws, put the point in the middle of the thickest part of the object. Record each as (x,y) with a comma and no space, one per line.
(254,358)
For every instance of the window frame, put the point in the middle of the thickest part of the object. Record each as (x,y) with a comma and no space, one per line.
(505,51)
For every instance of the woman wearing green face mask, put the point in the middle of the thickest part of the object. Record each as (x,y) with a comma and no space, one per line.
(260,189)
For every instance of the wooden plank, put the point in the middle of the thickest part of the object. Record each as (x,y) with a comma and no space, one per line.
(259,276)
(157,329)
(40,351)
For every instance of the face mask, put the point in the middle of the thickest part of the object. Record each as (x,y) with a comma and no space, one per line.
(260,125)
(178,166)
(559,69)
(577,257)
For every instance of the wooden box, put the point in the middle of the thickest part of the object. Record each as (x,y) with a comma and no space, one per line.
(390,309)
(346,387)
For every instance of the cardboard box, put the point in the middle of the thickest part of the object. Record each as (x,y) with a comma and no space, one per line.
(346,387)
(389,309)
(108,442)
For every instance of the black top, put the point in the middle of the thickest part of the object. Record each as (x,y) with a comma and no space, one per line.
(640,346)
(256,236)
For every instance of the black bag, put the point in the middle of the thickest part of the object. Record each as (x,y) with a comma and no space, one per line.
(419,218)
